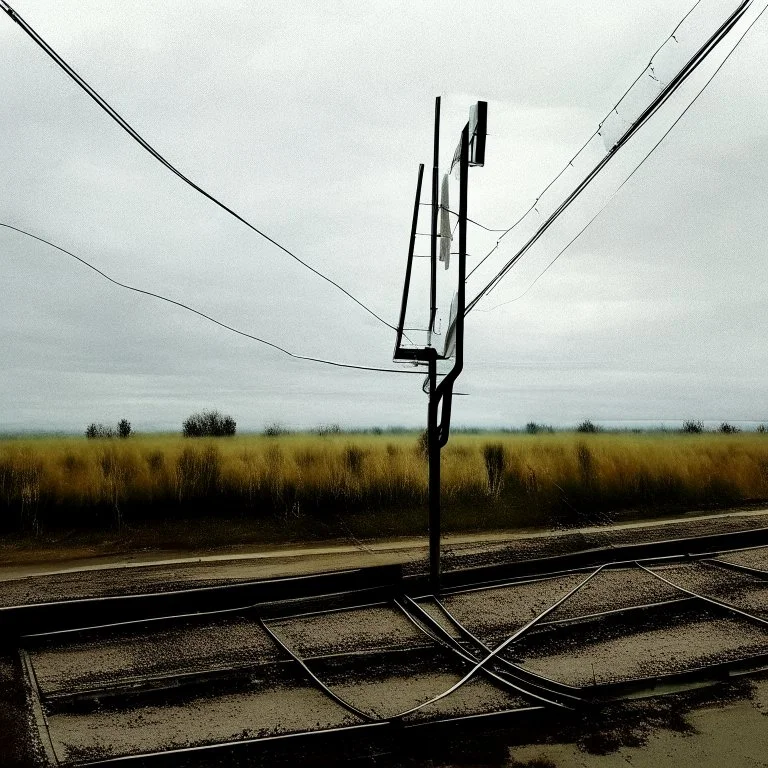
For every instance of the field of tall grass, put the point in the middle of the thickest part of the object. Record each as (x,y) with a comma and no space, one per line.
(374,484)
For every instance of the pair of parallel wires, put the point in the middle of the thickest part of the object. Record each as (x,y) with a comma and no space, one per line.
(694,62)
(134,134)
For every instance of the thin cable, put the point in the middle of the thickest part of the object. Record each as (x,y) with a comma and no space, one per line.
(694,62)
(637,167)
(152,151)
(472,221)
(208,317)
(652,108)
(584,146)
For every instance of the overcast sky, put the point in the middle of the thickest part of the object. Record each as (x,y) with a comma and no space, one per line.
(310,120)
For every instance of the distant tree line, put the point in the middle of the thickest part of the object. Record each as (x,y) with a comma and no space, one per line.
(212,423)
(95,431)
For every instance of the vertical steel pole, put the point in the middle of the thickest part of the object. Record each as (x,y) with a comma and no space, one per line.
(440,397)
(433,447)
(463,207)
(433,248)
(433,439)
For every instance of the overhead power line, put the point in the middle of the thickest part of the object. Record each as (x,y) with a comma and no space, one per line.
(693,63)
(637,167)
(152,151)
(584,145)
(213,320)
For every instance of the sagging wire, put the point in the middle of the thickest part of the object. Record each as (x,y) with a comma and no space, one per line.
(453,213)
(112,112)
(586,143)
(649,111)
(637,168)
(205,316)
(692,64)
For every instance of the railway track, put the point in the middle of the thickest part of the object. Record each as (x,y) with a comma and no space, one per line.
(367,657)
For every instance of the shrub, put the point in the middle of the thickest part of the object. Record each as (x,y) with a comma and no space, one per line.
(494,457)
(761,429)
(198,473)
(587,426)
(693,427)
(353,458)
(328,429)
(532,428)
(728,429)
(422,445)
(208,424)
(124,428)
(275,429)
(96,431)
(586,465)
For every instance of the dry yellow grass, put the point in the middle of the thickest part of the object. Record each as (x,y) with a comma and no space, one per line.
(499,480)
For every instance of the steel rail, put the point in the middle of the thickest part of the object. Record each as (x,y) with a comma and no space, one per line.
(513,683)
(457,650)
(205,614)
(514,582)
(448,642)
(711,600)
(177,752)
(380,580)
(38,713)
(202,615)
(171,756)
(31,619)
(147,685)
(133,622)
(323,687)
(727,668)
(499,648)
(716,671)
(692,546)
(325,611)
(141,686)
(631,687)
(760,573)
(471,718)
(616,564)
(615,611)
(542,680)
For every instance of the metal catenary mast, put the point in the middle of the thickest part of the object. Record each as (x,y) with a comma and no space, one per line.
(469,152)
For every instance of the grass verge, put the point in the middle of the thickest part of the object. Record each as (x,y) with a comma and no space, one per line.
(165,491)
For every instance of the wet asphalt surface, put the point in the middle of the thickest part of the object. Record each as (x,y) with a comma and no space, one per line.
(217,678)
